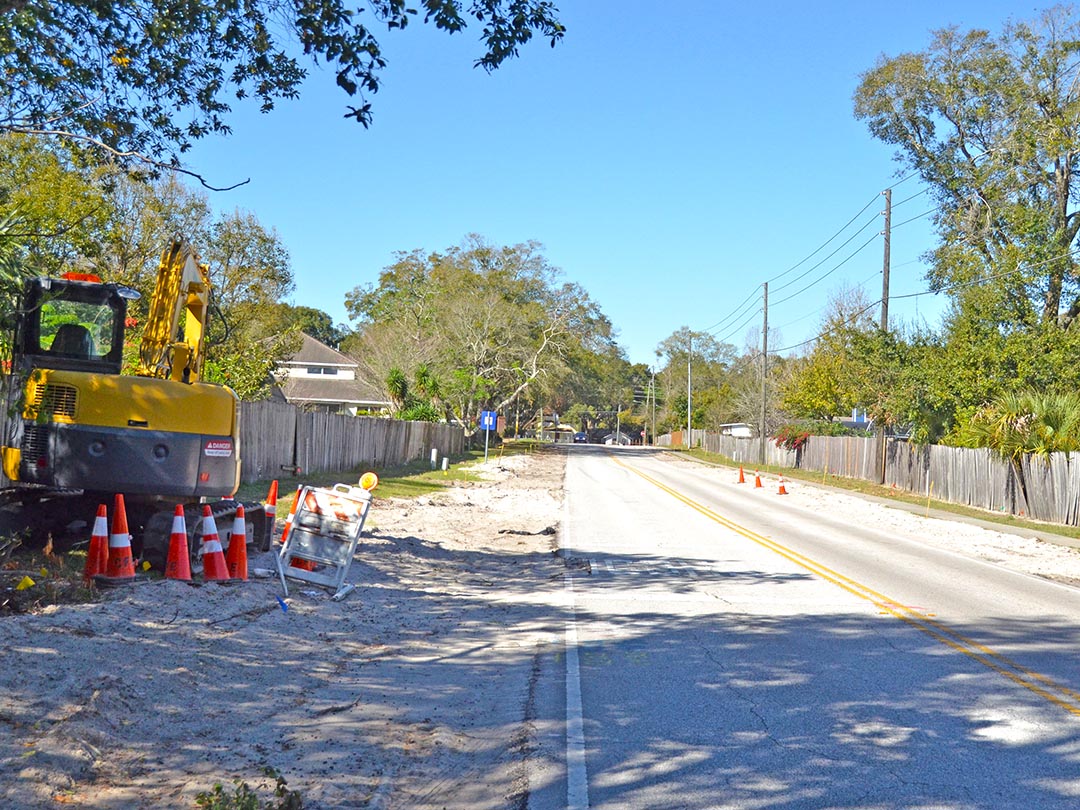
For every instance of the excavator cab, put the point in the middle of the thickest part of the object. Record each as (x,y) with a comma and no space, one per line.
(86,425)
(73,323)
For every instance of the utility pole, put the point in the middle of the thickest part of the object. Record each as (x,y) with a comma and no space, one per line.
(886,233)
(652,393)
(689,409)
(885,264)
(764,367)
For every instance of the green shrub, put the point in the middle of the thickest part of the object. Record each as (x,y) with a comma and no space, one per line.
(244,798)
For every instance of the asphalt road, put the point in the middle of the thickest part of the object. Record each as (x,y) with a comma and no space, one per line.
(729,649)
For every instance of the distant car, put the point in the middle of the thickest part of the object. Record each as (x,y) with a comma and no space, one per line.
(581,438)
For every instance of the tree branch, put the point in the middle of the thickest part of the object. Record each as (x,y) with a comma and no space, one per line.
(124,156)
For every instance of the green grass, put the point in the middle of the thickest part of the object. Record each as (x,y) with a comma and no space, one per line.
(888,493)
(408,481)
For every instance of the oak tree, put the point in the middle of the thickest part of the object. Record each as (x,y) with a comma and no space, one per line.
(991,124)
(490,324)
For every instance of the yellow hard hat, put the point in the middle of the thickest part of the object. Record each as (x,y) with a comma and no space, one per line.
(369,481)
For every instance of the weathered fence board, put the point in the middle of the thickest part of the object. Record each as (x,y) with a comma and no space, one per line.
(331,442)
(849,456)
(974,477)
(1044,488)
(1053,487)
(276,435)
(267,436)
(748,451)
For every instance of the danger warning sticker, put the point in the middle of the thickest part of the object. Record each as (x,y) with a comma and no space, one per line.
(219,448)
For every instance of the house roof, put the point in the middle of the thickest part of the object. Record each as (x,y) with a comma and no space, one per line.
(314,352)
(328,389)
(350,392)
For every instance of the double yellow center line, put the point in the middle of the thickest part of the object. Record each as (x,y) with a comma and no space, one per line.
(1046,688)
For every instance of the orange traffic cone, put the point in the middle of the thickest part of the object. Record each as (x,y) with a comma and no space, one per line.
(121,566)
(214,567)
(178,565)
(97,558)
(289,519)
(307,565)
(757,480)
(236,559)
(742,478)
(270,510)
(783,490)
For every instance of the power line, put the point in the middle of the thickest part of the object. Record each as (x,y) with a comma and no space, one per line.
(861,285)
(849,320)
(824,244)
(919,216)
(734,314)
(946,289)
(740,308)
(740,327)
(909,199)
(738,311)
(857,251)
(839,247)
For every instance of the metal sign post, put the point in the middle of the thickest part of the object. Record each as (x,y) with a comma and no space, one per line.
(488,421)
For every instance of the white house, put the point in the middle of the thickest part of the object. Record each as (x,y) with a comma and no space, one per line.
(323,378)
(740,430)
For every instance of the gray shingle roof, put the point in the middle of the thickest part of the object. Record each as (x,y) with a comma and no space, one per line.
(348,392)
(313,352)
(328,389)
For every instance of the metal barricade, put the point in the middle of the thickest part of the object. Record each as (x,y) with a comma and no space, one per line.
(324,534)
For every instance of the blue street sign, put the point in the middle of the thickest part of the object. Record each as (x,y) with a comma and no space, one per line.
(489,420)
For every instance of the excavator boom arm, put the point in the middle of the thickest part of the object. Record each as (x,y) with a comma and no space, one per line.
(182,288)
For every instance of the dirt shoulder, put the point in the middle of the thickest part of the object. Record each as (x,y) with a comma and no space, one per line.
(413,691)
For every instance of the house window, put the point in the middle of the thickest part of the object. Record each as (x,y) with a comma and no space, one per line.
(321,370)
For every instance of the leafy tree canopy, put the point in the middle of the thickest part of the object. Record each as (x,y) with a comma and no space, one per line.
(490,325)
(712,365)
(831,379)
(148,77)
(992,125)
(59,215)
(320,325)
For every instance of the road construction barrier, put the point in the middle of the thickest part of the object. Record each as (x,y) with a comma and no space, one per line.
(270,508)
(325,531)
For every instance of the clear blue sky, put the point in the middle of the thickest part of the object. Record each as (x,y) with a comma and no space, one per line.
(670,158)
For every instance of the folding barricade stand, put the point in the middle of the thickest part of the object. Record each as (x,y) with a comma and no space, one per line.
(325,531)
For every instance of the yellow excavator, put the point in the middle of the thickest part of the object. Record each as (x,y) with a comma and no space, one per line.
(79,430)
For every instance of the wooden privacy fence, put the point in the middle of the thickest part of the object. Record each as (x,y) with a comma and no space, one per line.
(1043,488)
(848,456)
(742,450)
(275,435)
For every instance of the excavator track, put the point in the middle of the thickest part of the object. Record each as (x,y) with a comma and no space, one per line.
(157,531)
